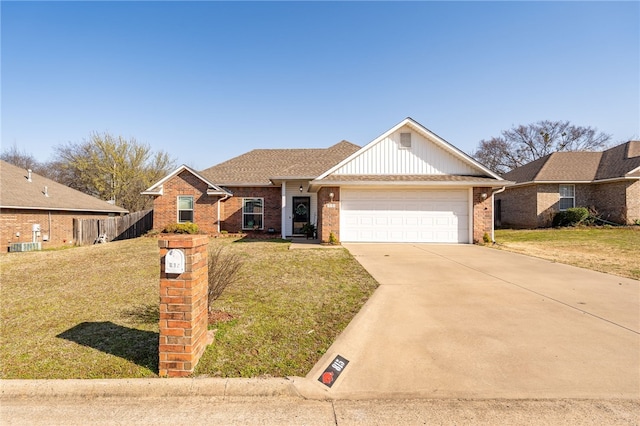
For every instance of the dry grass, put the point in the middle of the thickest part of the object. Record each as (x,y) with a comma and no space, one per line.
(78,313)
(610,250)
(92,312)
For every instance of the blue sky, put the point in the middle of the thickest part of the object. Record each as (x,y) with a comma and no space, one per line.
(206,81)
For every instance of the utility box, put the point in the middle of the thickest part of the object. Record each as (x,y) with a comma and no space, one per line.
(19,247)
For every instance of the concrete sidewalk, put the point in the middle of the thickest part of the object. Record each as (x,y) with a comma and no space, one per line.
(463,321)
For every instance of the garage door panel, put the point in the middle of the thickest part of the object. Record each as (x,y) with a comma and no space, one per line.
(410,215)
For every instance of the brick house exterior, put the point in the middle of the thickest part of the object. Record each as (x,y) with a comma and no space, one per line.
(28,199)
(275,191)
(606,182)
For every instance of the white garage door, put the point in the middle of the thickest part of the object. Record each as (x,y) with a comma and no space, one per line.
(404,215)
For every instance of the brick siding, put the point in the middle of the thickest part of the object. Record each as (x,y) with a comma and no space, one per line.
(165,207)
(482,214)
(57,225)
(633,201)
(183,306)
(616,201)
(329,213)
(534,206)
(205,214)
(231,210)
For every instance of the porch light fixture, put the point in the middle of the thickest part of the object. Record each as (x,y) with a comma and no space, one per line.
(331,196)
(483,195)
(300,188)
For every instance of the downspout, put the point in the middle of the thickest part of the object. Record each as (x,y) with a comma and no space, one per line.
(283,209)
(219,200)
(493,213)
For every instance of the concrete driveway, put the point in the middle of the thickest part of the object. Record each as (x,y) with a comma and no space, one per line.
(463,321)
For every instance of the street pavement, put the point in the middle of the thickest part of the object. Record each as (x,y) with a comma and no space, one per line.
(198,410)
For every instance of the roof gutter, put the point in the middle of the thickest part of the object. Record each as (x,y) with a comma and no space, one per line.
(63,209)
(314,186)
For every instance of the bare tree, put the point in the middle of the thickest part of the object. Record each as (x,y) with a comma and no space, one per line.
(112,168)
(15,156)
(523,144)
(223,271)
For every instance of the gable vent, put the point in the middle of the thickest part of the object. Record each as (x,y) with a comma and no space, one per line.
(405,140)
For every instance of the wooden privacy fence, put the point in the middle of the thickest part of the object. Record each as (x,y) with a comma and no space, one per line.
(90,231)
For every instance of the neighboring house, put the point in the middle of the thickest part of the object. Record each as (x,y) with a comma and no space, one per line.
(607,182)
(29,202)
(407,185)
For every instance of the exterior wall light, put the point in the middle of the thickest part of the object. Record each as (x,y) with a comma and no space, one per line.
(483,195)
(331,196)
(300,188)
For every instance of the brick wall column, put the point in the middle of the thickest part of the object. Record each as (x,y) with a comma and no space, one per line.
(482,213)
(329,212)
(183,306)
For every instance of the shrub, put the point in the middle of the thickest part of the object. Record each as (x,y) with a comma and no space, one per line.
(309,229)
(486,238)
(570,217)
(223,271)
(181,228)
(333,240)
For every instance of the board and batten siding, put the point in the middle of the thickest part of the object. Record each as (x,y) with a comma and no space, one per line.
(424,157)
(292,189)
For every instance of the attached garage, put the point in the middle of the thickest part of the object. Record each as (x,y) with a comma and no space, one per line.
(404,215)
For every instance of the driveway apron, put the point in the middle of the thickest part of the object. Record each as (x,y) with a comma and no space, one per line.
(463,321)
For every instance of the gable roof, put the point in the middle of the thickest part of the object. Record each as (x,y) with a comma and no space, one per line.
(465,165)
(157,188)
(619,162)
(264,166)
(18,192)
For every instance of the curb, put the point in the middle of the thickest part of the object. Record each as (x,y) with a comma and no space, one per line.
(156,387)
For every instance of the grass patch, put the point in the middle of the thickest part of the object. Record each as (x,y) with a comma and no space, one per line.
(92,312)
(610,250)
(67,313)
(288,306)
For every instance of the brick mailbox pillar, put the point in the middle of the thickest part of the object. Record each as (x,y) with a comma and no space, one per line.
(183,303)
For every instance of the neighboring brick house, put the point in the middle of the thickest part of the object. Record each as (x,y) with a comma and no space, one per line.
(28,199)
(608,182)
(407,185)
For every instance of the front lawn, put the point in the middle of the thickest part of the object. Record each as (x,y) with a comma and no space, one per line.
(611,250)
(92,312)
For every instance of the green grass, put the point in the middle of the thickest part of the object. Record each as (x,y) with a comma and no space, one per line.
(612,250)
(92,312)
(288,306)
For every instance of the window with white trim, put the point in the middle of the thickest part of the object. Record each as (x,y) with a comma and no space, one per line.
(567,197)
(252,213)
(185,208)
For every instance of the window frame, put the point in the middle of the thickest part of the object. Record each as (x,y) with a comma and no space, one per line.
(404,138)
(245,213)
(572,197)
(179,210)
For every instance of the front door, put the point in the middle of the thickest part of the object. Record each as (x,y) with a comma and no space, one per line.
(301,214)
